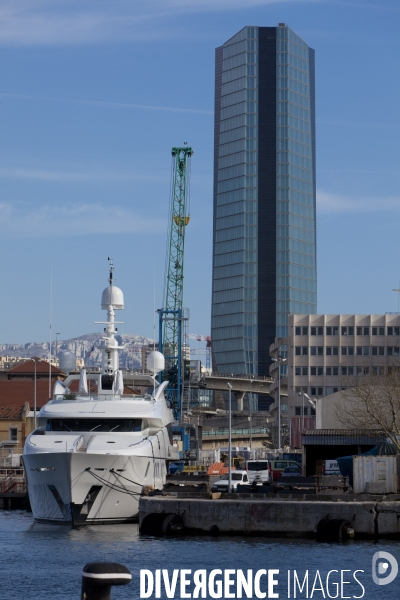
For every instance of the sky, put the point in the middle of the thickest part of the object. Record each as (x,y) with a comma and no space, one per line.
(93,96)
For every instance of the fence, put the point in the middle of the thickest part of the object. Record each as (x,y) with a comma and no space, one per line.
(10,457)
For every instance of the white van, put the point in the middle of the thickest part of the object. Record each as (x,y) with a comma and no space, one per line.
(259,470)
(330,467)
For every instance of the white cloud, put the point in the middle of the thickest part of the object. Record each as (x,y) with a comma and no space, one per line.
(336,203)
(21,221)
(69,22)
(68,176)
(105,104)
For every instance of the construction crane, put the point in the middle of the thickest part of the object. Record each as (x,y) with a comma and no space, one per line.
(202,338)
(171,316)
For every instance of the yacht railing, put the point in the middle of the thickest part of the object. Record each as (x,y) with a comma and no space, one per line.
(102,396)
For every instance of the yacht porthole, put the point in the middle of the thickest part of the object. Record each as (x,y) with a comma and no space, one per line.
(58,442)
(110,442)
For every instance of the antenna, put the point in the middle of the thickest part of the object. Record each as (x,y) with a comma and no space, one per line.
(398,303)
(110,260)
(51,319)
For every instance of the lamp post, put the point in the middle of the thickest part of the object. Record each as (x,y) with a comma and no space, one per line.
(302,418)
(251,413)
(279,361)
(57,334)
(34,395)
(230,440)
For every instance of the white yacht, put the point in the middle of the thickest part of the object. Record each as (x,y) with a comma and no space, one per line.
(94,453)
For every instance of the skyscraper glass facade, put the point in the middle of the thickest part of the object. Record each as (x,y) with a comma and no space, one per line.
(264,238)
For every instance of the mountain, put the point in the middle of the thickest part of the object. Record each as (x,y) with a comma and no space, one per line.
(86,347)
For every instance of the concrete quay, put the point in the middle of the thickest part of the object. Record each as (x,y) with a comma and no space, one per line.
(252,516)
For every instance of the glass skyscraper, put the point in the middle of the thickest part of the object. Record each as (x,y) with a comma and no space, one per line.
(264,228)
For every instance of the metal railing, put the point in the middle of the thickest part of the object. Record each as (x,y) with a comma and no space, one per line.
(242,376)
(225,432)
(12,481)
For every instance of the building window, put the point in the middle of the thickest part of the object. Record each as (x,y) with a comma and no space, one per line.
(316,370)
(332,351)
(365,350)
(297,411)
(350,371)
(13,434)
(305,411)
(396,351)
(378,331)
(332,331)
(317,330)
(350,350)
(359,350)
(378,350)
(304,370)
(317,391)
(301,330)
(301,350)
(365,330)
(297,370)
(313,350)
(347,330)
(344,350)
(312,411)
(344,371)
(393,330)
(359,370)
(390,351)
(332,371)
(359,330)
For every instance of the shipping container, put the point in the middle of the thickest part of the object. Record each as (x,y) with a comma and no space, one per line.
(375,474)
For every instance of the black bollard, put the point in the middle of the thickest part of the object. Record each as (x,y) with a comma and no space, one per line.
(97,579)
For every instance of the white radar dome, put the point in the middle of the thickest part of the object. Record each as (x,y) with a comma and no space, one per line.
(155,362)
(67,361)
(112,295)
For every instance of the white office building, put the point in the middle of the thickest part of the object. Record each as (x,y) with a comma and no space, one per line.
(321,351)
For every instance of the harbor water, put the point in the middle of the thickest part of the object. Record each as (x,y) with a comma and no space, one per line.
(46,561)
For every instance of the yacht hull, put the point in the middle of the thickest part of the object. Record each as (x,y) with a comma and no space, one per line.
(84,489)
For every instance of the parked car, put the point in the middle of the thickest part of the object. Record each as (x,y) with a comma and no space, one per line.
(292,471)
(277,466)
(238,478)
(259,470)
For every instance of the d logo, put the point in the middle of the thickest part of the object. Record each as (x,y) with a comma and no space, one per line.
(382,567)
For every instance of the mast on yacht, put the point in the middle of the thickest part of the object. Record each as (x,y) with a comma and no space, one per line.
(112,299)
